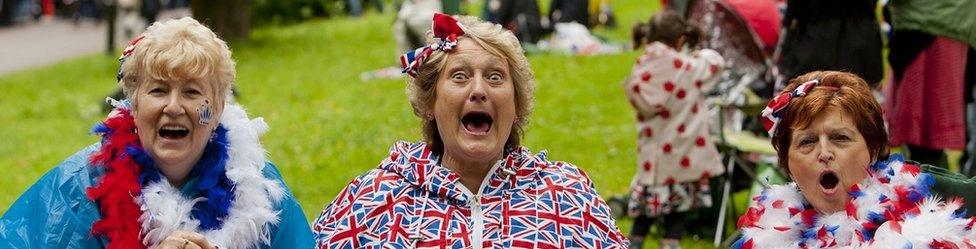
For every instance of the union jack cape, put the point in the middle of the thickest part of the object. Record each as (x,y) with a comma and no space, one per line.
(410,201)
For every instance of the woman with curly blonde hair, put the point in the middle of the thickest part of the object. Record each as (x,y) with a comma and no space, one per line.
(178,165)
(470,183)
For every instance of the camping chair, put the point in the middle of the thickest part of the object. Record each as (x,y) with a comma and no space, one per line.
(739,95)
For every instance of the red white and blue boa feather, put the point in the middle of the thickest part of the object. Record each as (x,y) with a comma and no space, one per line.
(891,208)
(235,205)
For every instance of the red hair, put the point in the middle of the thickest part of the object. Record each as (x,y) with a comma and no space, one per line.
(836,91)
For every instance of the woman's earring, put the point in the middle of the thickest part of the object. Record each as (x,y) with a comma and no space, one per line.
(430,117)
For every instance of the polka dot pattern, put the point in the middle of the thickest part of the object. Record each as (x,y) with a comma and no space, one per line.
(670,99)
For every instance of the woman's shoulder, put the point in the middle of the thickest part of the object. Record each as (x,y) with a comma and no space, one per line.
(55,206)
(72,176)
(375,182)
(417,149)
(77,168)
(567,171)
(292,230)
(555,170)
(390,173)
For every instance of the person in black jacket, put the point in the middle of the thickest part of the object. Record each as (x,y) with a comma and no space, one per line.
(831,35)
(569,11)
(522,17)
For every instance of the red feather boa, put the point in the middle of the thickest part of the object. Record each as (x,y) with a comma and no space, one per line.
(119,186)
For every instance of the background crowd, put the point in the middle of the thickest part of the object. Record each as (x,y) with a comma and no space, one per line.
(917,57)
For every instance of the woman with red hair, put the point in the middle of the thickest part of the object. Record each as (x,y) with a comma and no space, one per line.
(846,189)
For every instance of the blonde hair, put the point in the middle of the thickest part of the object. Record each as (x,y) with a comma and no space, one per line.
(180,49)
(497,40)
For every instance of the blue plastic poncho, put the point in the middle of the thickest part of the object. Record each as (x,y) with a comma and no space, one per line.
(56,213)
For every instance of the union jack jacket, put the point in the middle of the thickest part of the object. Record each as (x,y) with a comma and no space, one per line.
(525,201)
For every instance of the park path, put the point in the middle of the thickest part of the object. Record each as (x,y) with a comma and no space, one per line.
(39,44)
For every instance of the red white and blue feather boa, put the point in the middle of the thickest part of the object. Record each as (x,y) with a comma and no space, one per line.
(139,207)
(891,208)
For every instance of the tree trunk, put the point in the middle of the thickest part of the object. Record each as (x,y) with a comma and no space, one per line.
(230,19)
(7,12)
(111,13)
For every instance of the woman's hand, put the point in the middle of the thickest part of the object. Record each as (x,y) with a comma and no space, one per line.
(185,240)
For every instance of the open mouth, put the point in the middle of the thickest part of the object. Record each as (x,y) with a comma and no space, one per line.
(477,122)
(173,132)
(829,181)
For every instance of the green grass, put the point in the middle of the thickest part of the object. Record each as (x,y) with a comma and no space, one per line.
(327,126)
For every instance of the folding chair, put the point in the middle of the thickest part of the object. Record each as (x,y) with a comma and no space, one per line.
(748,71)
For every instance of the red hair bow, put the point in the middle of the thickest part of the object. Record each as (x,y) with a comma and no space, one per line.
(446,30)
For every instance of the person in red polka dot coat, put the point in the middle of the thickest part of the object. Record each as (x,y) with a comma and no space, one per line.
(675,153)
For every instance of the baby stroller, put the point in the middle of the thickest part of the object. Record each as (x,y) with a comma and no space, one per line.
(742,92)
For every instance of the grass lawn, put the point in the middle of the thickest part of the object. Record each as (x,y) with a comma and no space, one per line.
(327,126)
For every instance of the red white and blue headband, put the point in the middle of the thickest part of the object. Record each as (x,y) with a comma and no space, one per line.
(446,32)
(774,111)
(125,55)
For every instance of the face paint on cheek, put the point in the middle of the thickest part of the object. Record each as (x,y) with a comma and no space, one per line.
(206,112)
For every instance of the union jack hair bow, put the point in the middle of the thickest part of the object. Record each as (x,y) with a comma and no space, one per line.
(773,112)
(125,54)
(446,31)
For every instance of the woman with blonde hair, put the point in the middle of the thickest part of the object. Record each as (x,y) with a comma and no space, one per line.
(178,166)
(470,183)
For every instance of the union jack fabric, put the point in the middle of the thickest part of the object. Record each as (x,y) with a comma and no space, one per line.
(446,31)
(773,112)
(125,54)
(410,201)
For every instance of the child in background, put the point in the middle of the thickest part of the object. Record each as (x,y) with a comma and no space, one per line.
(675,153)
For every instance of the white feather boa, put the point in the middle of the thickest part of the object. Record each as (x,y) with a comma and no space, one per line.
(251,215)
(782,218)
